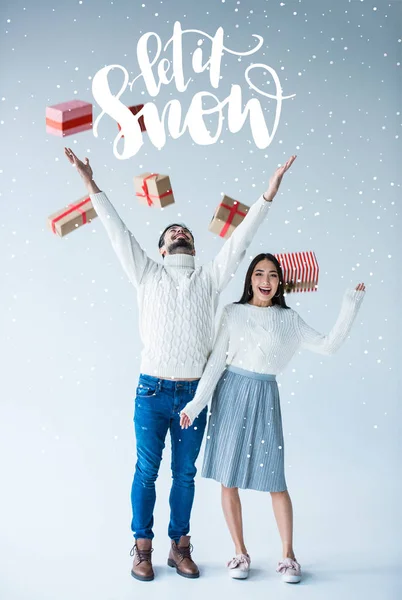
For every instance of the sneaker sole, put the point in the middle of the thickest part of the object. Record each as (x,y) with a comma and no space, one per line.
(239,575)
(172,564)
(141,577)
(291,578)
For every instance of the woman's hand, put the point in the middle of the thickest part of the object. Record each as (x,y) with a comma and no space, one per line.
(360,287)
(276,179)
(184,421)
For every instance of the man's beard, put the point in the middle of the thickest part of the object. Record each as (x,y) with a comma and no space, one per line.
(178,245)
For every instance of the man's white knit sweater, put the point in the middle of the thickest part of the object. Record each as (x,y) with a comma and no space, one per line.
(177,301)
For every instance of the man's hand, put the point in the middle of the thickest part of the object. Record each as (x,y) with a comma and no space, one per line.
(276,179)
(84,169)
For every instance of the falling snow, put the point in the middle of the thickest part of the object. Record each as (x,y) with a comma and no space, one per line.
(71,349)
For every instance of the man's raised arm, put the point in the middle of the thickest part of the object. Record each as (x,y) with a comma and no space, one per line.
(132,257)
(232,252)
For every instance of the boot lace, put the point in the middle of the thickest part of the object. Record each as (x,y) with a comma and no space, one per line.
(184,551)
(143,555)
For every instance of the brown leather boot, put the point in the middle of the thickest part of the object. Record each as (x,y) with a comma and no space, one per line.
(180,558)
(142,564)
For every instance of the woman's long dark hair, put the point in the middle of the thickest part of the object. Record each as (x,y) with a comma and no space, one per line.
(248,293)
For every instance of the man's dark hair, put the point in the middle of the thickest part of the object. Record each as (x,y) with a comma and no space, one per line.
(162,238)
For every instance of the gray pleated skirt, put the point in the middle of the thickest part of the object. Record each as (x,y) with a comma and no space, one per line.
(244,445)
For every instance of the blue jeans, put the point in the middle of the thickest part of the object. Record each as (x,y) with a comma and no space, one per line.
(158,403)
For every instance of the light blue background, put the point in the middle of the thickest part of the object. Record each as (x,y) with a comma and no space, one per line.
(68,317)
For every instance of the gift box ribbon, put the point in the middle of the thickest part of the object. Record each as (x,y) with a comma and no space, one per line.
(72,208)
(233,210)
(64,125)
(146,193)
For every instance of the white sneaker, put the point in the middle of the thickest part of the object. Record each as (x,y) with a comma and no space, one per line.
(239,566)
(290,570)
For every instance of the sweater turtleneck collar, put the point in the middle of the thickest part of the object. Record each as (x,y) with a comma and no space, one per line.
(184,261)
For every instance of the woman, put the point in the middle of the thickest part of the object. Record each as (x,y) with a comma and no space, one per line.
(256,339)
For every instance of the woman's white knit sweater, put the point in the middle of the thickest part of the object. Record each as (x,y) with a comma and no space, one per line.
(177,301)
(264,340)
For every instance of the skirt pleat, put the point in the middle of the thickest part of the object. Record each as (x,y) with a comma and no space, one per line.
(244,445)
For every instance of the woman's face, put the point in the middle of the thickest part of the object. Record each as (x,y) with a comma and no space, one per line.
(264,282)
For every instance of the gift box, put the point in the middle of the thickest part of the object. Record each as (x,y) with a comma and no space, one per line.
(71,217)
(153,189)
(135,110)
(68,118)
(229,214)
(300,271)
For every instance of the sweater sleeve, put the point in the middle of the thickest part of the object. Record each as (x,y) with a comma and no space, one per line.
(328,344)
(232,252)
(214,368)
(130,254)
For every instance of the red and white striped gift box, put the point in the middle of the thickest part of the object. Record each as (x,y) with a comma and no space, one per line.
(300,271)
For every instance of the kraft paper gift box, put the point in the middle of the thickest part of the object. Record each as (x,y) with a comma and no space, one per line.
(300,271)
(71,217)
(135,110)
(229,214)
(153,189)
(68,118)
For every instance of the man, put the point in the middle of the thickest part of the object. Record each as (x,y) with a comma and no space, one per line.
(177,304)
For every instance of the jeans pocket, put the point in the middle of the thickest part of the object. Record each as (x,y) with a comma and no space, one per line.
(145,391)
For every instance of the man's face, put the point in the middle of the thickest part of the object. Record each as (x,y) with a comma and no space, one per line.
(178,240)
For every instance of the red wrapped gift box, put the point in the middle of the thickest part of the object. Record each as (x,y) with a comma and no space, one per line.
(136,109)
